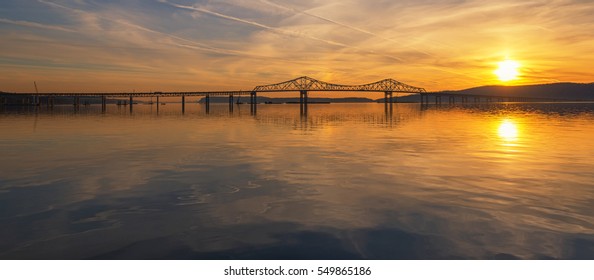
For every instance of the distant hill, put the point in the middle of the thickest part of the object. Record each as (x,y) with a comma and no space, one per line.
(564,91)
(559,91)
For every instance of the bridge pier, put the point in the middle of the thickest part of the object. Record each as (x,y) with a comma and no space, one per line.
(452,99)
(388,109)
(388,97)
(183,103)
(77,101)
(207,103)
(303,102)
(230,103)
(131,103)
(103,103)
(253,102)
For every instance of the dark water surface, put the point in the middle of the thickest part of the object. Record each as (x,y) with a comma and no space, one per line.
(344,182)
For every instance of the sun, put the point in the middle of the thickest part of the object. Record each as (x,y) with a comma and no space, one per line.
(508,70)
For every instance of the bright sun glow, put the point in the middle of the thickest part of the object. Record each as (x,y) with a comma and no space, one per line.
(508,130)
(508,70)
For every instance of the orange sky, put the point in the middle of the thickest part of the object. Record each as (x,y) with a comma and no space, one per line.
(171,45)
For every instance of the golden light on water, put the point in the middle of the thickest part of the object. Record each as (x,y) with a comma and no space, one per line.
(508,70)
(508,130)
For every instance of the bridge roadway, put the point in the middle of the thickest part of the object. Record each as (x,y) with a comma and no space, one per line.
(477,98)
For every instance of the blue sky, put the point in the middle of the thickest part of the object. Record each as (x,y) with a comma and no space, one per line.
(84,45)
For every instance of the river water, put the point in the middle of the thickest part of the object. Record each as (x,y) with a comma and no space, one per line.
(345,181)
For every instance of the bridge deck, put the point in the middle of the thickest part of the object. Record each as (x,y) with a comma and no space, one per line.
(466,95)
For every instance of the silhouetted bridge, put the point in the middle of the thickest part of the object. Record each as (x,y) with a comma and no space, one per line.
(303,85)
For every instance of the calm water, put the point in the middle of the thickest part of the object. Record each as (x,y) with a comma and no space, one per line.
(346,181)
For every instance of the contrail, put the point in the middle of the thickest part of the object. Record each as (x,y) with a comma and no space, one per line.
(190,44)
(274,29)
(354,28)
(263,26)
(36,25)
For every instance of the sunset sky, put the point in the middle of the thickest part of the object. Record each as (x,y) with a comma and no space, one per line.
(170,45)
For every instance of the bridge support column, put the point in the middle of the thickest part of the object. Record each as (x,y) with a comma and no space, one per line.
(303,102)
(388,97)
(253,102)
(183,103)
(424,101)
(230,103)
(158,103)
(207,103)
(131,103)
(103,103)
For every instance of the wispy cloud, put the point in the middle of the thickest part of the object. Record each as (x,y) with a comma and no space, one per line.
(36,25)
(274,29)
(351,27)
(194,44)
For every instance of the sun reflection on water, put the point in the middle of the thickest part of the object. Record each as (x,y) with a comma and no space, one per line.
(508,130)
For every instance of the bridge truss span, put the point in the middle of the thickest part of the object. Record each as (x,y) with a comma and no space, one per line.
(309,84)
